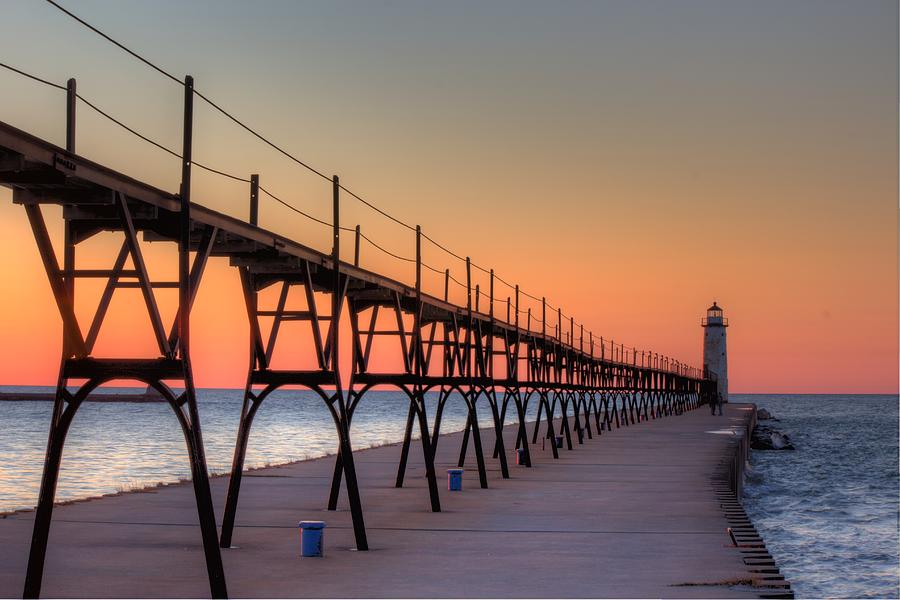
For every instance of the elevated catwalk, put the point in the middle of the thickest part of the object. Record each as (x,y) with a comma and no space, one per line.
(466,352)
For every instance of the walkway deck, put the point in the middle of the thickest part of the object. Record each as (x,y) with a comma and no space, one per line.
(632,513)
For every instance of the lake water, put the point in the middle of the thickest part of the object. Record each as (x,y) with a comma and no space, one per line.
(115,446)
(829,509)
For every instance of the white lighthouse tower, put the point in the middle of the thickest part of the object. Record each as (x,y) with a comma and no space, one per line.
(715,352)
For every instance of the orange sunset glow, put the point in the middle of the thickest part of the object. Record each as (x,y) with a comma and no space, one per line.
(630,180)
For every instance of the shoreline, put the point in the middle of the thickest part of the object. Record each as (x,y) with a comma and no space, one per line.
(152,487)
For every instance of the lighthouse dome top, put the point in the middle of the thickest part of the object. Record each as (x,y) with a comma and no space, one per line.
(714,316)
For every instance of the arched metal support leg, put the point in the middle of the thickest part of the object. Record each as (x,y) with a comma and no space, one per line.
(607,414)
(341,421)
(438,415)
(564,405)
(464,445)
(504,406)
(407,438)
(522,435)
(337,476)
(63,413)
(537,422)
(550,409)
(248,411)
(472,423)
(586,413)
(417,413)
(65,407)
(427,453)
(200,478)
(571,397)
(498,431)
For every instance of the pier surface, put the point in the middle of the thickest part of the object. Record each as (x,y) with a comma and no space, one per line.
(631,513)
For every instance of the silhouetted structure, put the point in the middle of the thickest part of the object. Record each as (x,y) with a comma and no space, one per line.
(469,350)
(715,349)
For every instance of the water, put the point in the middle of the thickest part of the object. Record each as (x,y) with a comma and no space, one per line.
(829,510)
(115,446)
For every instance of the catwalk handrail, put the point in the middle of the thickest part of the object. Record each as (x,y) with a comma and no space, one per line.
(648,359)
(48,153)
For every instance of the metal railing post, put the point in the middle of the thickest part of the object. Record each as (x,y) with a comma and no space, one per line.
(254,199)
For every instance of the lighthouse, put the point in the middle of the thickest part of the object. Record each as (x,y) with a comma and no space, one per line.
(715,352)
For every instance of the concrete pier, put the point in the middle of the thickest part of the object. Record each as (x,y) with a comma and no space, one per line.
(635,512)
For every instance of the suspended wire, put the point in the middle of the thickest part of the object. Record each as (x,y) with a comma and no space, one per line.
(527,295)
(131,130)
(175,154)
(109,39)
(385,250)
(229,116)
(199,94)
(126,127)
(504,282)
(256,134)
(253,132)
(444,248)
(260,136)
(33,77)
(155,143)
(457,282)
(160,146)
(430,268)
(297,210)
(222,173)
(376,209)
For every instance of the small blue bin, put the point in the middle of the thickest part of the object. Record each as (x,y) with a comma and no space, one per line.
(559,441)
(312,538)
(454,479)
(520,456)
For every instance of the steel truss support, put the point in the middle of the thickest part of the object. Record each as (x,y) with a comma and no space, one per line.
(615,386)
(324,381)
(77,364)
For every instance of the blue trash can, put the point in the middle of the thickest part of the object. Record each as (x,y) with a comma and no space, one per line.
(454,479)
(312,538)
(520,456)
(559,441)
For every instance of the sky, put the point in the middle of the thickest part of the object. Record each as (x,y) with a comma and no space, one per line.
(631,161)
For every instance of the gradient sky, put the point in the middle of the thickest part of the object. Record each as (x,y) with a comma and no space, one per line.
(631,160)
